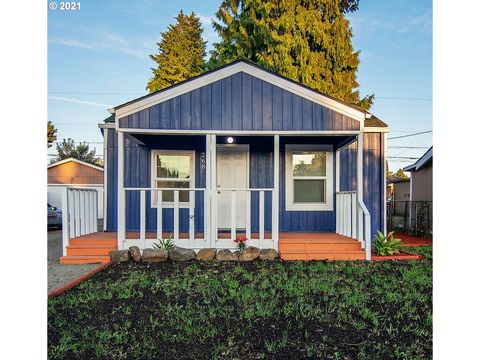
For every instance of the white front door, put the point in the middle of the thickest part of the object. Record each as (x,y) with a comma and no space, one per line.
(232,172)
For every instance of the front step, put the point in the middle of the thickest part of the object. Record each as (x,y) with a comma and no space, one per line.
(78,250)
(295,246)
(85,259)
(323,255)
(107,242)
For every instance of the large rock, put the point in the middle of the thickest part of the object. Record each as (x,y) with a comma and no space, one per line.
(117,256)
(268,254)
(226,255)
(180,254)
(154,255)
(249,254)
(135,253)
(206,254)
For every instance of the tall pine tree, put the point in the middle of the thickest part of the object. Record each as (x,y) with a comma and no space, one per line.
(181,53)
(308,41)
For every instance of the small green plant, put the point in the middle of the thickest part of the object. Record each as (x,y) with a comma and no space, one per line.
(386,245)
(164,244)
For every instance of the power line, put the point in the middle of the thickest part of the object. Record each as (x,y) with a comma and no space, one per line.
(79,142)
(403,157)
(414,134)
(100,155)
(408,147)
(402,98)
(141,93)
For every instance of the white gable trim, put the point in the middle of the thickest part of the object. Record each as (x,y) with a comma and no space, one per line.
(227,71)
(74,160)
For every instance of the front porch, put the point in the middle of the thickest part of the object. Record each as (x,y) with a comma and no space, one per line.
(94,247)
(227,189)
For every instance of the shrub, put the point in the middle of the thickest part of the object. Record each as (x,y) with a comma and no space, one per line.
(166,244)
(386,245)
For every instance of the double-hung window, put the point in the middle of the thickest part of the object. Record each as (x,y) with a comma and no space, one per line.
(173,169)
(309,177)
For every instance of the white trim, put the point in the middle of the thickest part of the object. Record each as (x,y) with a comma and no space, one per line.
(230,70)
(61,162)
(105,179)
(121,233)
(276,190)
(107,126)
(239,132)
(289,204)
(153,178)
(375,129)
(384,183)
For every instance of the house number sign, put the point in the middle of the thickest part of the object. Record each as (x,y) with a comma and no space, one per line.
(203,160)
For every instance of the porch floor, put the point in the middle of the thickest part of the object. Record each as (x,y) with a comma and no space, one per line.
(94,247)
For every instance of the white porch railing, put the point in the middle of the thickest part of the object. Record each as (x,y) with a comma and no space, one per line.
(261,241)
(210,236)
(161,205)
(353,219)
(79,213)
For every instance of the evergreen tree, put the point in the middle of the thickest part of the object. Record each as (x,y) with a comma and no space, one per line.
(51,134)
(181,53)
(308,41)
(67,149)
(401,174)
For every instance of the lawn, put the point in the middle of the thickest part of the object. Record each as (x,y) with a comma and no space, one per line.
(255,310)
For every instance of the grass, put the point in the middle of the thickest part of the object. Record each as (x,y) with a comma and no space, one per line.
(256,310)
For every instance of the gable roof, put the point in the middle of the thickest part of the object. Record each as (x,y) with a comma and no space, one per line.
(76,161)
(252,69)
(422,162)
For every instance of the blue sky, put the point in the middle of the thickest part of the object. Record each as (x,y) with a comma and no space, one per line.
(98,57)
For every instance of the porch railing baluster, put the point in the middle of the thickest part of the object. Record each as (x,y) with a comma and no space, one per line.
(143,239)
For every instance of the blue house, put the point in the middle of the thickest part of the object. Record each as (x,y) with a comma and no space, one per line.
(242,151)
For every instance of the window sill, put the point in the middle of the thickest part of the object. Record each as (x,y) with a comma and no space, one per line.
(309,207)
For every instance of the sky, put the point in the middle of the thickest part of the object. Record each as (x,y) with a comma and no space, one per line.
(98,57)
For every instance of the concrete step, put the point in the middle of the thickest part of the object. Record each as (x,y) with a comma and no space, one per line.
(85,259)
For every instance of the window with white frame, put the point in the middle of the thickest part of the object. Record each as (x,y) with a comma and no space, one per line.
(172,169)
(309,177)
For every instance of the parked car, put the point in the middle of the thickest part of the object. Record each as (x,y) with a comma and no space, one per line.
(54,216)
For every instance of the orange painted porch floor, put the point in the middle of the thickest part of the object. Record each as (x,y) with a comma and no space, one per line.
(94,248)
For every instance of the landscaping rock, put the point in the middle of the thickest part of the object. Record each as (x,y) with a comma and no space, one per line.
(268,254)
(206,254)
(154,255)
(135,253)
(117,256)
(249,254)
(226,255)
(180,254)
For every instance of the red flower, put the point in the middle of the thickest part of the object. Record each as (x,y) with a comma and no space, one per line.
(240,239)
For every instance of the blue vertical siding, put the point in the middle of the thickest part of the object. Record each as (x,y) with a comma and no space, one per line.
(239,102)
(138,173)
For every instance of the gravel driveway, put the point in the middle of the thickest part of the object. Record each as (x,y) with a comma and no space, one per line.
(60,275)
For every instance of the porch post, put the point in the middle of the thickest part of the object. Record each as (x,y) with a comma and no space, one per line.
(120,193)
(276,190)
(211,187)
(337,190)
(384,183)
(208,193)
(65,220)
